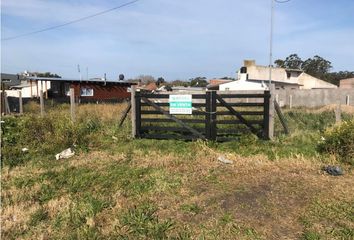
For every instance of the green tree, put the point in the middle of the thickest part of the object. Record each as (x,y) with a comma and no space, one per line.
(160,81)
(47,74)
(198,82)
(180,83)
(317,67)
(293,61)
(335,77)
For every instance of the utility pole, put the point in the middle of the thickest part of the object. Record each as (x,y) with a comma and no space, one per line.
(78,69)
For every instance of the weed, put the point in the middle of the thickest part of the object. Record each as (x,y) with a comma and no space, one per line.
(38,216)
(191,208)
(142,221)
(339,140)
(309,235)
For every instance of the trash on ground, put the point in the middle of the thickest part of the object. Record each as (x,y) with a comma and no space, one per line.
(224,160)
(114,138)
(333,170)
(24,149)
(67,153)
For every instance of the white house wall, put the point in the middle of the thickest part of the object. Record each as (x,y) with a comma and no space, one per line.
(26,90)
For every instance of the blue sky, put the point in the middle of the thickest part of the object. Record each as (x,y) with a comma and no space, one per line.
(176,39)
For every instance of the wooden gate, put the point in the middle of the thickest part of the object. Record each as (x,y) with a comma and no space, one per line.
(215,116)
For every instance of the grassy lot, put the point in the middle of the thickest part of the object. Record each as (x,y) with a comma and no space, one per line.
(119,188)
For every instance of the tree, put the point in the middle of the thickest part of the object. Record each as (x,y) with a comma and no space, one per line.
(293,61)
(279,63)
(44,74)
(180,83)
(145,79)
(335,77)
(160,80)
(198,82)
(317,66)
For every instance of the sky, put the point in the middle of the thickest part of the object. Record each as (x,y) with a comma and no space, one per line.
(174,39)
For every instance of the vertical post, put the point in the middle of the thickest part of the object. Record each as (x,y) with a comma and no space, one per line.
(20,103)
(266,114)
(137,113)
(213,129)
(3,98)
(72,104)
(133,111)
(37,89)
(31,88)
(7,106)
(207,115)
(41,102)
(291,101)
(271,111)
(46,90)
(347,100)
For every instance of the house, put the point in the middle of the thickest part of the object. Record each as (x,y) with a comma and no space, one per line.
(8,80)
(215,82)
(285,78)
(242,84)
(85,90)
(29,89)
(346,83)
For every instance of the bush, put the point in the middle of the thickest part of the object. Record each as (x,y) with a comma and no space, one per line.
(45,135)
(339,140)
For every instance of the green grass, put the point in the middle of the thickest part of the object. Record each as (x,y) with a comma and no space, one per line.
(121,188)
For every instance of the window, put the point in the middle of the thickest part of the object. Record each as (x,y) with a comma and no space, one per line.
(227,89)
(288,74)
(86,92)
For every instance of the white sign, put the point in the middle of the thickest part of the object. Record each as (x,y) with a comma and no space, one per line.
(180,104)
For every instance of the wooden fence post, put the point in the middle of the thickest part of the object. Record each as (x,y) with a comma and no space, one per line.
(347,100)
(7,106)
(133,109)
(41,102)
(208,115)
(213,132)
(137,114)
(266,103)
(271,112)
(20,103)
(72,104)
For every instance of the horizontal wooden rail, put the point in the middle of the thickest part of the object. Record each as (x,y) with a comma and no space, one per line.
(166,104)
(249,113)
(168,129)
(241,104)
(168,136)
(254,95)
(259,122)
(167,96)
(161,120)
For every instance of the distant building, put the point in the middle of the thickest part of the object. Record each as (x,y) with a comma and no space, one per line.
(8,80)
(346,83)
(289,77)
(85,90)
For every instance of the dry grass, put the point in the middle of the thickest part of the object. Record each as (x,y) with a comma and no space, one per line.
(110,193)
(249,199)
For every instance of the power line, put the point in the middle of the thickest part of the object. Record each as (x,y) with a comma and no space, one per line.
(71,22)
